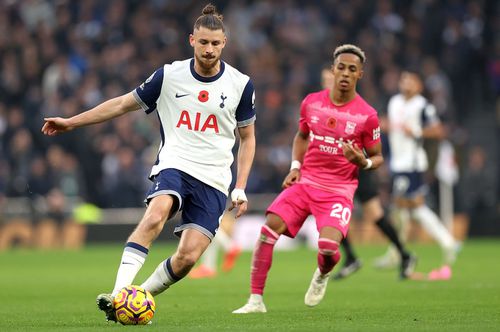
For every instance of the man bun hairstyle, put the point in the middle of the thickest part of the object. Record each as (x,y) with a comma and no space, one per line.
(210,19)
(349,48)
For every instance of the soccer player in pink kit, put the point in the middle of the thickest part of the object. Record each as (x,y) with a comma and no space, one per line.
(338,134)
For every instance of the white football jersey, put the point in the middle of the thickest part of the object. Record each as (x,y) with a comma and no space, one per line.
(198,117)
(407,153)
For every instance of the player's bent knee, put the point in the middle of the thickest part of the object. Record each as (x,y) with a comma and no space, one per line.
(331,233)
(328,247)
(275,223)
(373,211)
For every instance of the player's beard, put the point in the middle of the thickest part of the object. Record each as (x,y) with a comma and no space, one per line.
(207,64)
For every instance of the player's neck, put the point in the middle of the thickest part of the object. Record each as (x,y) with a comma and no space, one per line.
(340,98)
(409,96)
(206,72)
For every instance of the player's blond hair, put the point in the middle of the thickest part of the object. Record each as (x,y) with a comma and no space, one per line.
(349,48)
(210,19)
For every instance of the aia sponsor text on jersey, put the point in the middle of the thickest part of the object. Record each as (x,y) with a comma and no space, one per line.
(198,123)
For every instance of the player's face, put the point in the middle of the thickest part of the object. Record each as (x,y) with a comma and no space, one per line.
(208,45)
(327,78)
(410,84)
(347,70)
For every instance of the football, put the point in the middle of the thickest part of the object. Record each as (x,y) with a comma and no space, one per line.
(134,306)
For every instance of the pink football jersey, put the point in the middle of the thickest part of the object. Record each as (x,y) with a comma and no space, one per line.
(329,126)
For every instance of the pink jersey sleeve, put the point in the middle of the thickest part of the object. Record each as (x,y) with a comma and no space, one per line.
(371,132)
(303,126)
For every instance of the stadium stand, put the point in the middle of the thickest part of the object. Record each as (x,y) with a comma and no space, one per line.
(63,57)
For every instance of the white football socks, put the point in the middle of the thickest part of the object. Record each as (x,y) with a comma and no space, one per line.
(131,262)
(402,218)
(161,279)
(209,258)
(431,223)
(223,240)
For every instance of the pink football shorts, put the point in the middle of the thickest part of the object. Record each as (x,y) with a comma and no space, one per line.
(297,202)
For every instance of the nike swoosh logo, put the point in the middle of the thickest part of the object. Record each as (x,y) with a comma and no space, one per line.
(127,263)
(177,95)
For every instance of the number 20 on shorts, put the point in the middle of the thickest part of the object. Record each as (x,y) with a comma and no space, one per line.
(342,213)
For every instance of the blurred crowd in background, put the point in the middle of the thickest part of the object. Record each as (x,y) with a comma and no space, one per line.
(59,58)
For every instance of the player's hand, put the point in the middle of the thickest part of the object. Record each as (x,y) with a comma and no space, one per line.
(291,178)
(239,199)
(408,130)
(54,126)
(353,153)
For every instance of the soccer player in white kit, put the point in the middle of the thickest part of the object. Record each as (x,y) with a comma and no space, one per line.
(411,118)
(200,102)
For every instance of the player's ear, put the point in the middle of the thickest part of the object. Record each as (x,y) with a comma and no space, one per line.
(191,40)
(361,72)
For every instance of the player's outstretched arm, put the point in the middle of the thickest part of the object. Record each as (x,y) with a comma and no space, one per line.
(102,112)
(246,153)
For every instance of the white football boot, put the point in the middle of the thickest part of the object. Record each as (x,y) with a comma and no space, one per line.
(317,288)
(390,260)
(255,304)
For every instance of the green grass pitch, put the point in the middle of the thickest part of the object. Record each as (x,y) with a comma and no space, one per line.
(56,290)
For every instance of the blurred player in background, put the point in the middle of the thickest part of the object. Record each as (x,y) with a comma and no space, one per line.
(200,103)
(222,240)
(334,128)
(411,118)
(373,213)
